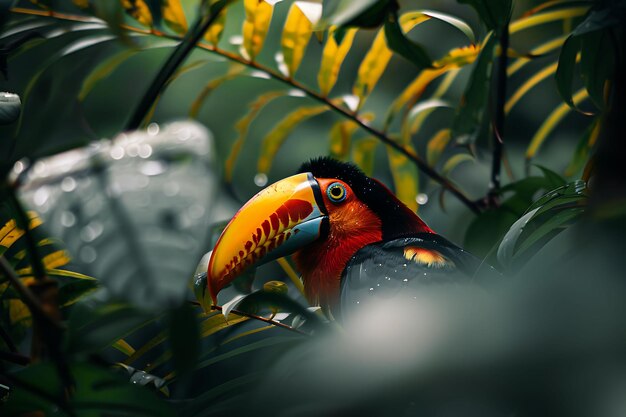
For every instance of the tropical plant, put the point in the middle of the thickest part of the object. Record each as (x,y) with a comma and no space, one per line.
(390,97)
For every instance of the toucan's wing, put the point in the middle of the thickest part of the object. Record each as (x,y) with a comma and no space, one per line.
(402,266)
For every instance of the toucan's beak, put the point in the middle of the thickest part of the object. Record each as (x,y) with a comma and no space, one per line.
(276,222)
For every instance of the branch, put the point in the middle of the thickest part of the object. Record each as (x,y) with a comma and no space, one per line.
(263,319)
(363,124)
(498,126)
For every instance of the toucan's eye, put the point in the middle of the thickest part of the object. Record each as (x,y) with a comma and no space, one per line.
(336,192)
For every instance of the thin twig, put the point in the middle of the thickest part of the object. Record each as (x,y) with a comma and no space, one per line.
(263,319)
(498,126)
(363,124)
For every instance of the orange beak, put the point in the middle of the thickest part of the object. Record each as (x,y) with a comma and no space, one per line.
(279,220)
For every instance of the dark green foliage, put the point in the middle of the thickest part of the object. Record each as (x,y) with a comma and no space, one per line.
(131,340)
(400,44)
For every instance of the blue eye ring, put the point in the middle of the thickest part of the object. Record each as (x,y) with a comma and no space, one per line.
(336,192)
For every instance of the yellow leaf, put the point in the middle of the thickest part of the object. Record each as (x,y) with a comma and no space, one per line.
(339,139)
(550,123)
(56,259)
(255,26)
(273,141)
(542,49)
(233,72)
(542,18)
(11,233)
(18,311)
(363,153)
(332,58)
(454,162)
(123,347)
(529,84)
(296,34)
(436,145)
(405,177)
(138,10)
(174,16)
(455,59)
(341,134)
(69,274)
(242,127)
(214,34)
(378,56)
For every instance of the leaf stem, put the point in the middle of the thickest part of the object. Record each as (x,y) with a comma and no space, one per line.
(362,123)
(263,319)
(498,125)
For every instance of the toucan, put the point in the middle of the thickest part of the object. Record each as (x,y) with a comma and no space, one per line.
(349,235)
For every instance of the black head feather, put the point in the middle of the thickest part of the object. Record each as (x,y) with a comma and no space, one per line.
(397,219)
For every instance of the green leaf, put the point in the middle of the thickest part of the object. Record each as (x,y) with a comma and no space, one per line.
(363,13)
(74,291)
(554,179)
(471,114)
(403,46)
(454,21)
(98,392)
(495,14)
(274,140)
(544,219)
(596,64)
(565,69)
(95,325)
(486,230)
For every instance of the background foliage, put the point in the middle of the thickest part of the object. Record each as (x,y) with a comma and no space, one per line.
(501,121)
